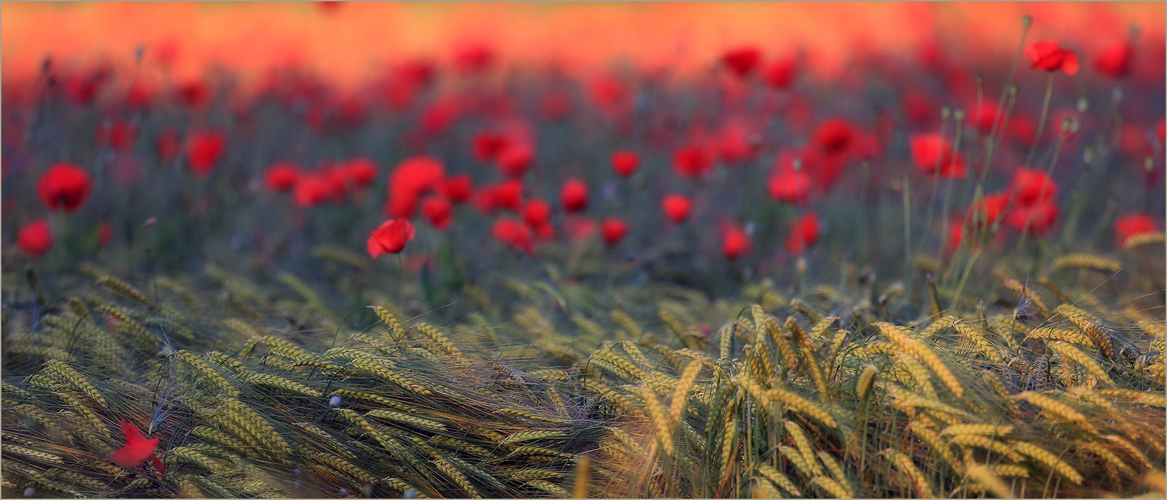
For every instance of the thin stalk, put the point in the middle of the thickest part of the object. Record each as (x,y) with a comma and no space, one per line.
(1049,90)
(1026,22)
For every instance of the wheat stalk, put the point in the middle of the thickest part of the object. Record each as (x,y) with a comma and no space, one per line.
(921,352)
(904,464)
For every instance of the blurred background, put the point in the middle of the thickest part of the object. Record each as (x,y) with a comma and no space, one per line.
(347,40)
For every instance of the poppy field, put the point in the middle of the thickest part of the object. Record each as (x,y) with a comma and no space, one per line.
(685,250)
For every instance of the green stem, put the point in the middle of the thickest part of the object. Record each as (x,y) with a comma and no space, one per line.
(1049,90)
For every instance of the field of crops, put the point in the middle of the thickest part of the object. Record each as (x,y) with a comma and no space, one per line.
(385,250)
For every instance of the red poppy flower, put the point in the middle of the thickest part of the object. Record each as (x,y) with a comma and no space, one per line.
(168,146)
(104,233)
(203,150)
(457,189)
(537,213)
(118,134)
(136,450)
(488,145)
(574,195)
(735,243)
(390,237)
(515,158)
(919,108)
(677,207)
(1031,186)
(194,94)
(789,186)
(931,152)
(780,74)
(281,177)
(1131,225)
(803,233)
(989,210)
(742,61)
(140,96)
(555,106)
(509,194)
(1114,61)
(608,92)
(834,136)
(473,58)
(64,187)
(513,234)
(613,230)
(83,90)
(625,163)
(987,114)
(1035,219)
(35,237)
(360,171)
(311,190)
(438,212)
(580,228)
(692,161)
(412,178)
(1047,56)
(438,117)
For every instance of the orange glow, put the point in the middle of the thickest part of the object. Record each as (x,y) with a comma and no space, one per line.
(352,42)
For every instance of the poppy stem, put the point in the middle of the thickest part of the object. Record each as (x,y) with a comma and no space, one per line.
(1049,90)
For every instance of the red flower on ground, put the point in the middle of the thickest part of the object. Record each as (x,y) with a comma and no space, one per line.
(311,190)
(136,450)
(360,172)
(625,163)
(1114,61)
(608,92)
(613,230)
(1035,219)
(933,155)
(203,149)
(281,177)
(65,187)
(457,189)
(513,234)
(580,228)
(168,146)
(104,233)
(515,159)
(35,238)
(537,213)
(412,178)
(1131,225)
(677,207)
(989,210)
(509,194)
(390,237)
(834,136)
(574,195)
(692,161)
(1047,56)
(194,94)
(919,108)
(803,233)
(789,186)
(735,242)
(1031,186)
(473,58)
(118,134)
(780,74)
(487,146)
(438,212)
(742,61)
